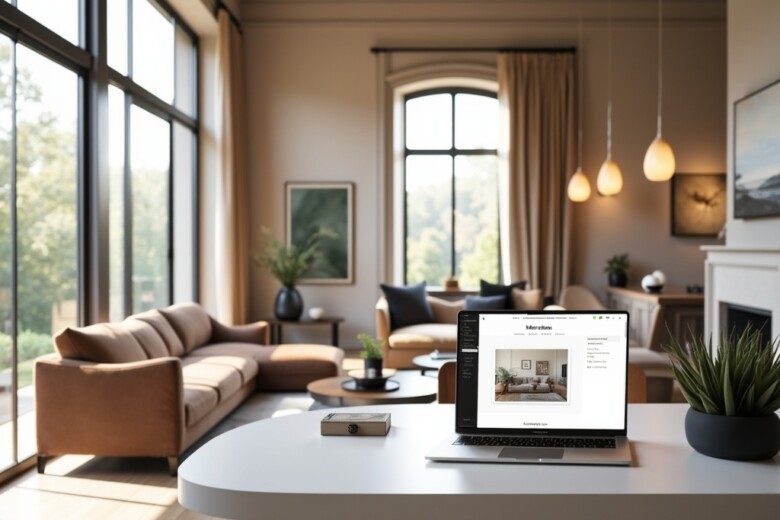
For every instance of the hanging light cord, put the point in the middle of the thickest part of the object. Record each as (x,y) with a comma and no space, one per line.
(579,88)
(660,60)
(609,85)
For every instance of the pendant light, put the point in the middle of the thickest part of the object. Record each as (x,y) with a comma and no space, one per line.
(659,162)
(579,185)
(610,180)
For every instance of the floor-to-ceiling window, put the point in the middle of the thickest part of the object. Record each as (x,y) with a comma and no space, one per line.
(152,64)
(40,172)
(59,209)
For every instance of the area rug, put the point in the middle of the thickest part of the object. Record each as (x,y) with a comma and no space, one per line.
(550,397)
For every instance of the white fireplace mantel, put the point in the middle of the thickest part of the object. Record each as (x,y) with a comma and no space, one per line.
(740,276)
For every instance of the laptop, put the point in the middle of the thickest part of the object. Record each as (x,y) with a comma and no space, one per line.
(540,387)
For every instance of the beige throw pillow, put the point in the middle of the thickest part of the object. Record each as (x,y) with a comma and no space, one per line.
(527,300)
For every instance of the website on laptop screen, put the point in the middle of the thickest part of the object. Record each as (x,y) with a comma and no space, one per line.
(542,371)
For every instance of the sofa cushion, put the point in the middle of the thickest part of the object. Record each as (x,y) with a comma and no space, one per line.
(147,337)
(484,303)
(226,380)
(199,400)
(441,336)
(191,323)
(529,300)
(222,354)
(164,329)
(292,367)
(408,305)
(495,289)
(100,343)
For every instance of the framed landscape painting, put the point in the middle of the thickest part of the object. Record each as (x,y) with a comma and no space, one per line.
(315,206)
(757,154)
(698,204)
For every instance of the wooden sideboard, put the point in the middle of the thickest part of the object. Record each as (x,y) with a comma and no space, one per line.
(683,313)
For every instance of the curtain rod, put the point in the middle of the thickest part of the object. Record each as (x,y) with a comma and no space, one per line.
(552,50)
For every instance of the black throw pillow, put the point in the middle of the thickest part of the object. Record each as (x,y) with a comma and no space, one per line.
(495,289)
(485,303)
(408,305)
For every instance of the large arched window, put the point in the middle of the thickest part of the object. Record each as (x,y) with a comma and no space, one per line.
(451,186)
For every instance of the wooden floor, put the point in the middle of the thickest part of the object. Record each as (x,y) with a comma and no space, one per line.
(86,487)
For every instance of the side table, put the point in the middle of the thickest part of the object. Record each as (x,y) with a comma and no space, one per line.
(277,326)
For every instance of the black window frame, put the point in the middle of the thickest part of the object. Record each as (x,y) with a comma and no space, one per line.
(451,152)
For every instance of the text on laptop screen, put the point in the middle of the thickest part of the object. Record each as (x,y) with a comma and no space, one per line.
(542,371)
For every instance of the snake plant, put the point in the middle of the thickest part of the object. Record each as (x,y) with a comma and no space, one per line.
(740,378)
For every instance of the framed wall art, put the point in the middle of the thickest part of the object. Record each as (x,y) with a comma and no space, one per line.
(542,368)
(525,364)
(698,204)
(312,207)
(757,154)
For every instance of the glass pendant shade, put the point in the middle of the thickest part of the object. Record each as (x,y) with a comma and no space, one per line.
(659,162)
(579,187)
(610,180)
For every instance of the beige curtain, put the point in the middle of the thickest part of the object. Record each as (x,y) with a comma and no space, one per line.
(231,226)
(536,93)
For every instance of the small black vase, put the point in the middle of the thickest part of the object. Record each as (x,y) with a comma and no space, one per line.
(373,368)
(288,305)
(618,279)
(733,438)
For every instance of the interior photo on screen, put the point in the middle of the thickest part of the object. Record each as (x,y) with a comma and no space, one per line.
(532,375)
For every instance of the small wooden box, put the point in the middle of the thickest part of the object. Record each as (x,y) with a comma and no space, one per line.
(356,424)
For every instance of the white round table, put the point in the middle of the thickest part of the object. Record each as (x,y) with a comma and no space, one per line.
(284,468)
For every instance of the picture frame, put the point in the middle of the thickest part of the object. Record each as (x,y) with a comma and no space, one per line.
(698,204)
(542,368)
(757,153)
(525,364)
(313,206)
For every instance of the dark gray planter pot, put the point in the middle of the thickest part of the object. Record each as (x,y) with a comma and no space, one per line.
(288,305)
(733,438)
(618,279)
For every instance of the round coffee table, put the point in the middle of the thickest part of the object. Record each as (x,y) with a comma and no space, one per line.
(414,389)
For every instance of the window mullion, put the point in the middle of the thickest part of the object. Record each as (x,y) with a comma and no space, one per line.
(452,190)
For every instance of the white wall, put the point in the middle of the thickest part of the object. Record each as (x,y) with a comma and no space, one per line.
(314,101)
(753,63)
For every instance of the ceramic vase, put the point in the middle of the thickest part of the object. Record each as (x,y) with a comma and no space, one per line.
(288,305)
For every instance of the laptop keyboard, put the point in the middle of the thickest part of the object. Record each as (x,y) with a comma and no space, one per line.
(537,442)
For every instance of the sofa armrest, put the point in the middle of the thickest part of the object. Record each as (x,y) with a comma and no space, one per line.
(117,409)
(382,313)
(258,333)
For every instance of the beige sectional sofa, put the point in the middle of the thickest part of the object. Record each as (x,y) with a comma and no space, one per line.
(153,384)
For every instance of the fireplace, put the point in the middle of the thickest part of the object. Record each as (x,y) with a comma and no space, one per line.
(738,317)
(747,280)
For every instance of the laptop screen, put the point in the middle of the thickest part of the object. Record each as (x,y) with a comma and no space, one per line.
(535,372)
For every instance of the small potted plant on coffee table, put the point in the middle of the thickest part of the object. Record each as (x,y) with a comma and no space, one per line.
(733,394)
(372,355)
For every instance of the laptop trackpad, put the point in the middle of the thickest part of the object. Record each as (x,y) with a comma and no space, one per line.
(531,453)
